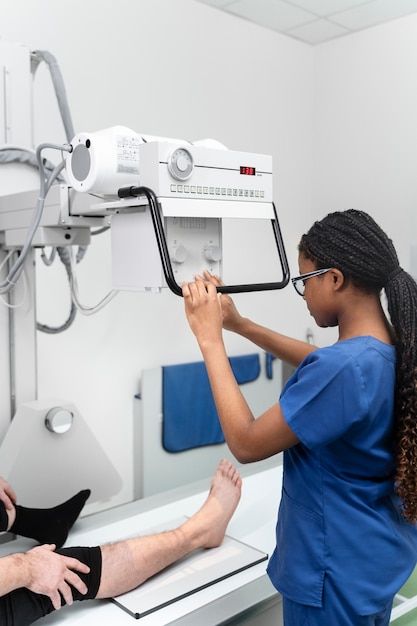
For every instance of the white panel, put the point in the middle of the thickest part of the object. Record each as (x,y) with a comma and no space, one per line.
(318,31)
(217,3)
(135,258)
(271,13)
(296,18)
(63,464)
(16,95)
(373,13)
(328,7)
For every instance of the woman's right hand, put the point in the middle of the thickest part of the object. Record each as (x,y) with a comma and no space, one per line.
(231,316)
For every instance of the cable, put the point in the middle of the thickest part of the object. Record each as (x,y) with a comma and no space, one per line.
(15,153)
(25,285)
(10,153)
(60,92)
(54,330)
(48,260)
(74,292)
(45,184)
(99,231)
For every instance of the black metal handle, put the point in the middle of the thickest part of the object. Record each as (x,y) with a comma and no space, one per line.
(126,192)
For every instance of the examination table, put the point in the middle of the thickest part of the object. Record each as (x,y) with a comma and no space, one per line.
(243,598)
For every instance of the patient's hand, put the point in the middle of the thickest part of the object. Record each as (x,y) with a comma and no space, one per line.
(7,495)
(52,574)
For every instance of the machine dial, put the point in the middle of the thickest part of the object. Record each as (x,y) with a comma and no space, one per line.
(180,164)
(212,253)
(179,254)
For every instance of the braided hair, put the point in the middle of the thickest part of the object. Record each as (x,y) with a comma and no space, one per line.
(352,242)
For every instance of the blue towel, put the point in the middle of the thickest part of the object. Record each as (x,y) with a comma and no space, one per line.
(190,416)
(269,360)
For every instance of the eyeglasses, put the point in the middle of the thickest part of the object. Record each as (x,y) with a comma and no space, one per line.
(300,286)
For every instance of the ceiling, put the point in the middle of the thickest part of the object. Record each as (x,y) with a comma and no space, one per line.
(316,21)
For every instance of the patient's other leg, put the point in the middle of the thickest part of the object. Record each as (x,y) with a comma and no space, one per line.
(44,525)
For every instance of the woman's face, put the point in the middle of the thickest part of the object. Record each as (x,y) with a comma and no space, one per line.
(319,294)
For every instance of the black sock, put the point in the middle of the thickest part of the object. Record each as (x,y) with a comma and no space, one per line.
(4,518)
(49,525)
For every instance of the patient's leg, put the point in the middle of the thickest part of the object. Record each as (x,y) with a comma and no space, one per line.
(127,564)
(118,568)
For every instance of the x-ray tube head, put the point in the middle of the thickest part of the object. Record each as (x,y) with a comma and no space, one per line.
(102,162)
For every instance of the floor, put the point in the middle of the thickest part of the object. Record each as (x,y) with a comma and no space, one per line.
(409,589)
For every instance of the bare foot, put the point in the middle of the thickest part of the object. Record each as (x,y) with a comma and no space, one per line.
(211,521)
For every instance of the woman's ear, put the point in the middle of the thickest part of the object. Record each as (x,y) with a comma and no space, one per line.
(338,278)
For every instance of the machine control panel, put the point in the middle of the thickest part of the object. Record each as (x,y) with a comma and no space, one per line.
(211,174)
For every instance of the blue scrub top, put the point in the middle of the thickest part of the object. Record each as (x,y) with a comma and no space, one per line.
(338,514)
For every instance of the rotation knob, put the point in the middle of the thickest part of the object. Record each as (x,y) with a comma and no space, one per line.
(179,254)
(213,253)
(180,164)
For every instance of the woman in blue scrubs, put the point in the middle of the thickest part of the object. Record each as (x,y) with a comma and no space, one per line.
(346,537)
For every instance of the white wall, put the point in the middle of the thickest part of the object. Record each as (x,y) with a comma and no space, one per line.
(365,142)
(170,68)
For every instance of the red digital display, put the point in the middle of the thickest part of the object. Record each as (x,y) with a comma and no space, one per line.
(247,170)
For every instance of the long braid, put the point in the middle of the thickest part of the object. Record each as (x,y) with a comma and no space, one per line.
(352,242)
(402,305)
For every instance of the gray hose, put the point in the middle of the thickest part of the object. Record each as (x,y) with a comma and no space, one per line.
(60,91)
